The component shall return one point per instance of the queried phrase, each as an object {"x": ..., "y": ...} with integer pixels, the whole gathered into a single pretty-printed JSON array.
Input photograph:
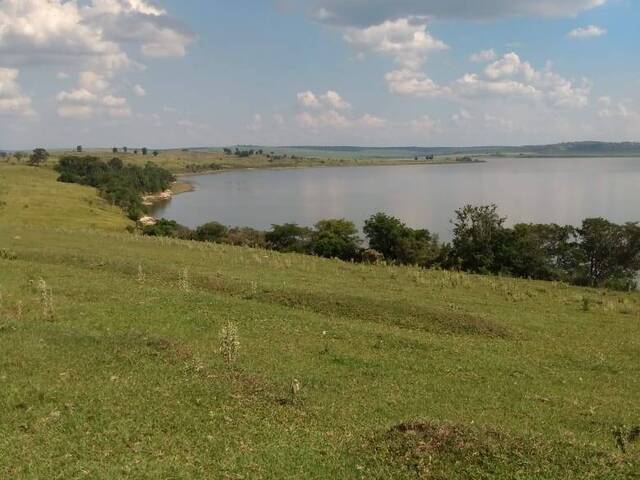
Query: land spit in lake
[{"x": 538, "y": 190}]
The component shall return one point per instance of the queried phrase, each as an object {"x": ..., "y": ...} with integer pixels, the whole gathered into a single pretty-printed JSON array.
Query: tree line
[
  {"x": 599, "y": 253},
  {"x": 122, "y": 185}
]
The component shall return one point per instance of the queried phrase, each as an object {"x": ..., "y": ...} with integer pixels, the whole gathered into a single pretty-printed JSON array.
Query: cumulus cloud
[
  {"x": 365, "y": 13},
  {"x": 334, "y": 100},
  {"x": 331, "y": 99},
  {"x": 484, "y": 56},
  {"x": 609, "y": 109},
  {"x": 308, "y": 99},
  {"x": 406, "y": 40},
  {"x": 328, "y": 111},
  {"x": 92, "y": 96},
  {"x": 12, "y": 100},
  {"x": 373, "y": 121},
  {"x": 587, "y": 32},
  {"x": 510, "y": 76},
  {"x": 412, "y": 83},
  {"x": 92, "y": 34},
  {"x": 139, "y": 91}
]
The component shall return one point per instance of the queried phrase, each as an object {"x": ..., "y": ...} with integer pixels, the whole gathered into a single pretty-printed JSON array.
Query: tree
[
  {"x": 114, "y": 149},
  {"x": 39, "y": 156},
  {"x": 384, "y": 234},
  {"x": 125, "y": 149},
  {"x": 543, "y": 252},
  {"x": 145, "y": 151},
  {"x": 79, "y": 149},
  {"x": 289, "y": 238},
  {"x": 478, "y": 233},
  {"x": 18, "y": 156},
  {"x": 609, "y": 254},
  {"x": 211, "y": 232},
  {"x": 401, "y": 244},
  {"x": 156, "y": 153},
  {"x": 335, "y": 238}
]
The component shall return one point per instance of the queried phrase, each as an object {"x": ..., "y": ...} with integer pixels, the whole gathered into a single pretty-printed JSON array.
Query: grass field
[{"x": 113, "y": 369}]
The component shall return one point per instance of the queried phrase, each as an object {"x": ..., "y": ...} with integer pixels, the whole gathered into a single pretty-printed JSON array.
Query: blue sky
[{"x": 282, "y": 72}]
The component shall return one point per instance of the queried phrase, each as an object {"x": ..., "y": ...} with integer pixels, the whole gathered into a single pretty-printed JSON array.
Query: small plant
[
  {"x": 325, "y": 338},
  {"x": 19, "y": 310},
  {"x": 295, "y": 390},
  {"x": 183, "y": 283},
  {"x": 7, "y": 254},
  {"x": 586, "y": 304},
  {"x": 229, "y": 343},
  {"x": 624, "y": 435},
  {"x": 141, "y": 275},
  {"x": 46, "y": 299}
]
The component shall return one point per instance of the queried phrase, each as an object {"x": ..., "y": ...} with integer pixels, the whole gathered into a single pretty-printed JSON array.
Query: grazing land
[{"x": 111, "y": 364}]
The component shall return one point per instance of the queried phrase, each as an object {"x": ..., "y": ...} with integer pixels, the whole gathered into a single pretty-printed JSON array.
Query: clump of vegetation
[
  {"x": 38, "y": 157},
  {"x": 624, "y": 436},
  {"x": 46, "y": 299},
  {"x": 120, "y": 184},
  {"x": 229, "y": 343},
  {"x": 6, "y": 254},
  {"x": 441, "y": 451}
]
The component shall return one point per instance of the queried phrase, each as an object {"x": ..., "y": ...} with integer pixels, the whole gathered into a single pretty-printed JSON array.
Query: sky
[{"x": 187, "y": 73}]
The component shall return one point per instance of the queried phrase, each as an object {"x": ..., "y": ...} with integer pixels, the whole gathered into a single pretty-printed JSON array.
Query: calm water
[{"x": 546, "y": 190}]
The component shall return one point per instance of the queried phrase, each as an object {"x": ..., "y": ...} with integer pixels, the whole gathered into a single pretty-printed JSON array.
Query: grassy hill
[{"x": 113, "y": 369}]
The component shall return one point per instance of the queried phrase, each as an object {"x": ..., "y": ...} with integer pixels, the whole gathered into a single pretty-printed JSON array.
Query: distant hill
[{"x": 570, "y": 149}]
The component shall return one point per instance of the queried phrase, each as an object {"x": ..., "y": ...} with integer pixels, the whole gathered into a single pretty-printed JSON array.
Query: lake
[{"x": 544, "y": 190}]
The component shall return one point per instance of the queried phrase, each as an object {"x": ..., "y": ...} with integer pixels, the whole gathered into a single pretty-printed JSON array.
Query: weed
[
  {"x": 229, "y": 343},
  {"x": 183, "y": 281},
  {"x": 46, "y": 299}
]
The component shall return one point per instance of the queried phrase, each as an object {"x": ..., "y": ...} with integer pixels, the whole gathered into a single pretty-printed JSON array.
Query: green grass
[
  {"x": 405, "y": 373},
  {"x": 32, "y": 196}
]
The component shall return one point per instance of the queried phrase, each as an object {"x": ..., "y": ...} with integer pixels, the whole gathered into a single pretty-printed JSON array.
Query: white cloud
[
  {"x": 372, "y": 121},
  {"x": 308, "y": 99},
  {"x": 328, "y": 119},
  {"x": 484, "y": 56},
  {"x": 12, "y": 100},
  {"x": 75, "y": 111},
  {"x": 92, "y": 33},
  {"x": 621, "y": 109},
  {"x": 406, "y": 40},
  {"x": 412, "y": 83},
  {"x": 587, "y": 32},
  {"x": 331, "y": 99},
  {"x": 374, "y": 12},
  {"x": 139, "y": 91},
  {"x": 334, "y": 100},
  {"x": 510, "y": 76},
  {"x": 114, "y": 102},
  {"x": 93, "y": 96}
]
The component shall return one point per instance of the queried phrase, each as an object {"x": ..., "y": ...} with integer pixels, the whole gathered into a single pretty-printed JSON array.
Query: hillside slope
[{"x": 115, "y": 371}]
